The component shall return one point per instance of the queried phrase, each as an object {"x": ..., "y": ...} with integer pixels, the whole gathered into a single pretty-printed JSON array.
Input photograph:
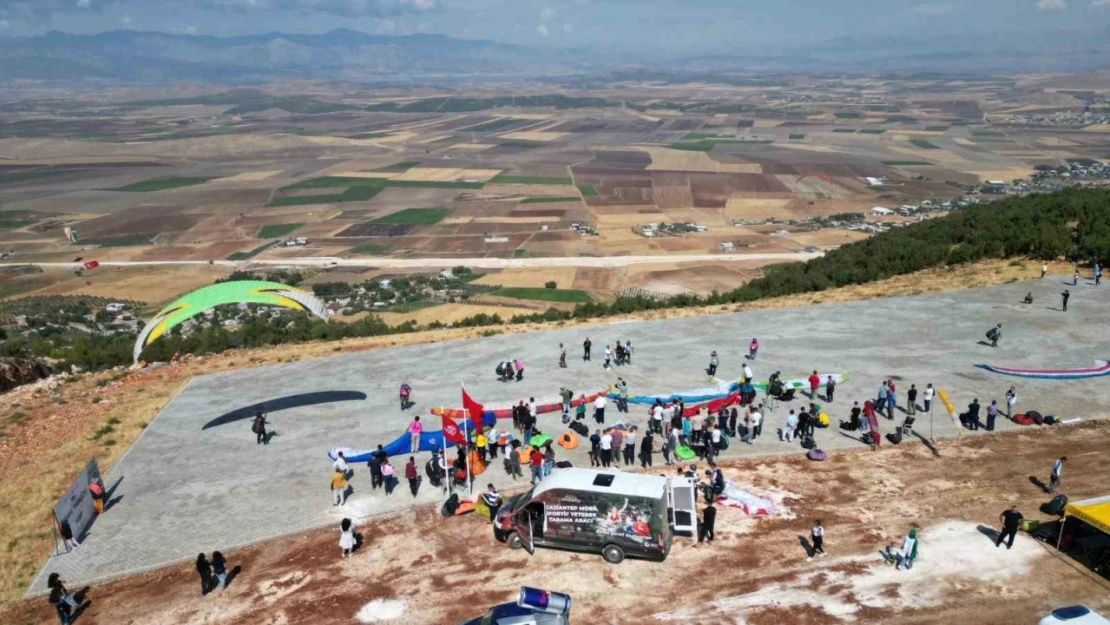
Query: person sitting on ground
[{"x": 1028, "y": 298}]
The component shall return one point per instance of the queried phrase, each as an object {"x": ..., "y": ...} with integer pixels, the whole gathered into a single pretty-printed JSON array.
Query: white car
[{"x": 1074, "y": 615}]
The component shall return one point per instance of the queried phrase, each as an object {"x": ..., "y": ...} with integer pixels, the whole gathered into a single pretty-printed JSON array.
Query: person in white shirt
[
  {"x": 927, "y": 397},
  {"x": 787, "y": 432},
  {"x": 629, "y": 451},
  {"x": 757, "y": 425},
  {"x": 532, "y": 407},
  {"x": 715, "y": 437},
  {"x": 748, "y": 376},
  {"x": 606, "y": 449},
  {"x": 657, "y": 418},
  {"x": 599, "y": 409},
  {"x": 608, "y": 356},
  {"x": 341, "y": 463}
]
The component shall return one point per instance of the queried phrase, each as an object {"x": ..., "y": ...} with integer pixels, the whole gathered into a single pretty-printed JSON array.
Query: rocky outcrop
[{"x": 18, "y": 371}]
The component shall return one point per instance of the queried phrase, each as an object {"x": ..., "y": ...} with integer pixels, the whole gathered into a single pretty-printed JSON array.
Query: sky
[{"x": 662, "y": 26}]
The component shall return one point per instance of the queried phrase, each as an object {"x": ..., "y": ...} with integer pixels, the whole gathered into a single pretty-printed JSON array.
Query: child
[{"x": 346, "y": 537}]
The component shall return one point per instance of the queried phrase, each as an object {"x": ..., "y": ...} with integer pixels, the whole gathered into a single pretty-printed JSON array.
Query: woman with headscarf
[
  {"x": 872, "y": 425},
  {"x": 909, "y": 551},
  {"x": 204, "y": 570}
]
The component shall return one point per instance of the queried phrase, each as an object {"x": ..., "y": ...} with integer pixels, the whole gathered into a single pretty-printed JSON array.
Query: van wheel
[
  {"x": 515, "y": 541},
  {"x": 613, "y": 554}
]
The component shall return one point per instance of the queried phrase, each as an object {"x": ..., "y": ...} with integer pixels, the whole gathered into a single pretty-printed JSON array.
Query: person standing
[
  {"x": 595, "y": 449},
  {"x": 515, "y": 470},
  {"x": 258, "y": 426},
  {"x": 817, "y": 534},
  {"x": 814, "y": 383},
  {"x": 60, "y": 598},
  {"x": 1044, "y": 270},
  {"x": 565, "y": 394},
  {"x": 911, "y": 400},
  {"x": 646, "y": 445},
  {"x": 1064, "y": 299},
  {"x": 992, "y": 414},
  {"x": 219, "y": 570},
  {"x": 562, "y": 356},
  {"x": 1075, "y": 277},
  {"x": 830, "y": 388},
  {"x": 347, "y": 540},
  {"x": 606, "y": 445},
  {"x": 375, "y": 464},
  {"x": 535, "y": 462},
  {"x": 387, "y": 477},
  {"x": 599, "y": 408},
  {"x": 415, "y": 428},
  {"x": 748, "y": 375},
  {"x": 757, "y": 421},
  {"x": 880, "y": 402},
  {"x": 580, "y": 409},
  {"x": 412, "y": 476},
  {"x": 548, "y": 459},
  {"x": 657, "y": 416},
  {"x": 891, "y": 399},
  {"x": 706, "y": 526},
  {"x": 713, "y": 362},
  {"x": 670, "y": 446},
  {"x": 586, "y": 349},
  {"x": 927, "y": 398},
  {"x": 753, "y": 348},
  {"x": 608, "y": 358},
  {"x": 493, "y": 501},
  {"x": 338, "y": 488},
  {"x": 630, "y": 448},
  {"x": 628, "y": 353},
  {"x": 1011, "y": 399},
  {"x": 1054, "y": 475},
  {"x": 622, "y": 395},
  {"x": 1011, "y": 520},
  {"x": 204, "y": 570},
  {"x": 340, "y": 463}
]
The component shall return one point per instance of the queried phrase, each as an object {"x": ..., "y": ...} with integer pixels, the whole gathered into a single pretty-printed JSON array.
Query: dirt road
[{"x": 417, "y": 568}]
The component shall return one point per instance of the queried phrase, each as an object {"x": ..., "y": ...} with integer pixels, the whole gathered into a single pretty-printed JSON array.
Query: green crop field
[
  {"x": 907, "y": 163},
  {"x": 494, "y": 124},
  {"x": 331, "y": 182},
  {"x": 433, "y": 184},
  {"x": 845, "y": 130},
  {"x": 797, "y": 137},
  {"x": 849, "y": 115},
  {"x": 547, "y": 199},
  {"x": 414, "y": 217},
  {"x": 706, "y": 145},
  {"x": 124, "y": 241},
  {"x": 570, "y": 296},
  {"x": 160, "y": 184},
  {"x": 33, "y": 174},
  {"x": 923, "y": 144},
  {"x": 351, "y": 194},
  {"x": 936, "y": 128},
  {"x": 527, "y": 145},
  {"x": 872, "y": 131},
  {"x": 698, "y": 136},
  {"x": 507, "y": 179},
  {"x": 274, "y": 231},
  {"x": 587, "y": 190},
  {"x": 369, "y": 248}
]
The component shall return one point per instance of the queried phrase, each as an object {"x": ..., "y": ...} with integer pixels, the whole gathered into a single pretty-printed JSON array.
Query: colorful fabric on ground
[
  {"x": 752, "y": 505},
  {"x": 507, "y": 413},
  {"x": 1100, "y": 369}
]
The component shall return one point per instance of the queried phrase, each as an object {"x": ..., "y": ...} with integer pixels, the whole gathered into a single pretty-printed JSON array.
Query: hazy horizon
[{"x": 666, "y": 27}]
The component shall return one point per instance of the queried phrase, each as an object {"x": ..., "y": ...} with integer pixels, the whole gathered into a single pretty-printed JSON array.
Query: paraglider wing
[{"x": 238, "y": 292}]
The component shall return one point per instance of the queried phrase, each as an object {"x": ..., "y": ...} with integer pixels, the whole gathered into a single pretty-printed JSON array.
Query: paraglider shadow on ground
[{"x": 284, "y": 403}]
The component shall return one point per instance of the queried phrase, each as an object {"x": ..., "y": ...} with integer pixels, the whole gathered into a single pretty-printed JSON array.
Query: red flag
[
  {"x": 474, "y": 409},
  {"x": 451, "y": 431}
]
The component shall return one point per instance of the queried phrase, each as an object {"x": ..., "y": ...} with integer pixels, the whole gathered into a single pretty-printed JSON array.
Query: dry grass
[{"x": 49, "y": 444}]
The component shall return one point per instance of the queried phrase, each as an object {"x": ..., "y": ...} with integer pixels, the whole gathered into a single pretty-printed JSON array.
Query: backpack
[
  {"x": 808, "y": 442},
  {"x": 993, "y": 332},
  {"x": 1056, "y": 506},
  {"x": 581, "y": 428},
  {"x": 450, "y": 506},
  {"x": 817, "y": 454},
  {"x": 256, "y": 427}
]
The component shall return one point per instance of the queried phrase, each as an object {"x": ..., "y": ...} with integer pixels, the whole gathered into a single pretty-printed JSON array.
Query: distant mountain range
[
  {"x": 342, "y": 54},
  {"x": 339, "y": 54}
]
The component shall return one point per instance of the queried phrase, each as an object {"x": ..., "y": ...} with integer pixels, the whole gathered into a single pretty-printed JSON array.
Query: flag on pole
[
  {"x": 451, "y": 431},
  {"x": 474, "y": 409}
]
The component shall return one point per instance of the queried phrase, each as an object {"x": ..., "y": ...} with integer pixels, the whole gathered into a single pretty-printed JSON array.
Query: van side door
[{"x": 682, "y": 496}]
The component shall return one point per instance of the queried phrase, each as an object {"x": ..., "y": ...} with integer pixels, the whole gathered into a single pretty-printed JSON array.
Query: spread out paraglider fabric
[
  {"x": 237, "y": 292},
  {"x": 1101, "y": 368}
]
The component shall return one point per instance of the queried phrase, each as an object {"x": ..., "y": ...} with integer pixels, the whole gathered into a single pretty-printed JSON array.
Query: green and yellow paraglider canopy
[{"x": 239, "y": 292}]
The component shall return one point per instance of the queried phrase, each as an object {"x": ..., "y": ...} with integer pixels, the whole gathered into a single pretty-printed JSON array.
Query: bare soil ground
[{"x": 756, "y": 571}]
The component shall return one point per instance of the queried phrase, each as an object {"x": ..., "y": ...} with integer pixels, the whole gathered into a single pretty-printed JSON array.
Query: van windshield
[{"x": 520, "y": 499}]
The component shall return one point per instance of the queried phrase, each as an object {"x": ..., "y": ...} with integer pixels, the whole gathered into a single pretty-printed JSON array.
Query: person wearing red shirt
[
  {"x": 412, "y": 476},
  {"x": 535, "y": 460},
  {"x": 814, "y": 382}
]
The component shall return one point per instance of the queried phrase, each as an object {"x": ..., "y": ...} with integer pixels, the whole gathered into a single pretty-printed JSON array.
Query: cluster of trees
[{"x": 1074, "y": 224}]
